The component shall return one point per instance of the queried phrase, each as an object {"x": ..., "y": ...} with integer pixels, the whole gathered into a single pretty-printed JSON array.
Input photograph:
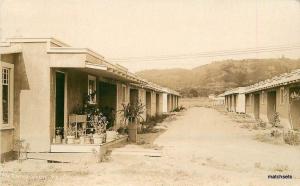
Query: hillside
[{"x": 216, "y": 77}]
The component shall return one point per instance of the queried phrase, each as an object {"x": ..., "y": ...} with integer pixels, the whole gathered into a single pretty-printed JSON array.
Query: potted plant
[
  {"x": 71, "y": 135},
  {"x": 81, "y": 135},
  {"x": 99, "y": 123},
  {"x": 132, "y": 114},
  {"x": 58, "y": 135}
]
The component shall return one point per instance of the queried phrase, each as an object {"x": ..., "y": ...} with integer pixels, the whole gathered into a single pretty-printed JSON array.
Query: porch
[{"x": 75, "y": 153}]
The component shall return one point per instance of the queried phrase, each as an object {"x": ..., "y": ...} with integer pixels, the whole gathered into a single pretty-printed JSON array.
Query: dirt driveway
[{"x": 202, "y": 147}]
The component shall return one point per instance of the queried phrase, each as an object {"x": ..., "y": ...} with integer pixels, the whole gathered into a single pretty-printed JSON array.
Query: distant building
[
  {"x": 219, "y": 100},
  {"x": 280, "y": 94},
  {"x": 211, "y": 96},
  {"x": 235, "y": 100}
]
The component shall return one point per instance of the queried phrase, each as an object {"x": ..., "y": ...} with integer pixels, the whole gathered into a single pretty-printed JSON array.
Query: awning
[{"x": 6, "y": 49}]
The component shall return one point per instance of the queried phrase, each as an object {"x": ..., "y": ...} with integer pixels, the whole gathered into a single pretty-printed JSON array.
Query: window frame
[{"x": 10, "y": 67}]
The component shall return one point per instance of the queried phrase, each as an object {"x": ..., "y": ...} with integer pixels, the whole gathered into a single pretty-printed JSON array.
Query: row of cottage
[
  {"x": 280, "y": 95},
  {"x": 45, "y": 80}
]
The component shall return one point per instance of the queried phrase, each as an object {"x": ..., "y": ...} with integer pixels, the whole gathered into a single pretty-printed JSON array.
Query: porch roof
[
  {"x": 238, "y": 90},
  {"x": 281, "y": 80},
  {"x": 64, "y": 56},
  {"x": 7, "y": 49}
]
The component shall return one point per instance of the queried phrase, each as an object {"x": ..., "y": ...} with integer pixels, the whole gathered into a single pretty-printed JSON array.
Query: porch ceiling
[{"x": 105, "y": 73}]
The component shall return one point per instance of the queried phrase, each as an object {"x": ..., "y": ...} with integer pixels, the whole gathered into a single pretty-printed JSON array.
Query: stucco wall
[
  {"x": 8, "y": 136},
  {"x": 240, "y": 105},
  {"x": 34, "y": 98},
  {"x": 119, "y": 115},
  {"x": 165, "y": 103},
  {"x": 153, "y": 103},
  {"x": 160, "y": 103},
  {"x": 283, "y": 108},
  {"x": 263, "y": 107},
  {"x": 142, "y": 98},
  {"x": 250, "y": 105},
  {"x": 7, "y": 140}
]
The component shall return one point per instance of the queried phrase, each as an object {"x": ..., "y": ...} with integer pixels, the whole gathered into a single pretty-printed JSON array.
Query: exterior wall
[
  {"x": 142, "y": 98},
  {"x": 33, "y": 93},
  {"x": 153, "y": 103},
  {"x": 160, "y": 103},
  {"x": 164, "y": 102},
  {"x": 295, "y": 107},
  {"x": 7, "y": 144},
  {"x": 174, "y": 102},
  {"x": 10, "y": 133},
  {"x": 249, "y": 105},
  {"x": 169, "y": 103},
  {"x": 281, "y": 107},
  {"x": 263, "y": 107},
  {"x": 119, "y": 116},
  {"x": 240, "y": 105}
]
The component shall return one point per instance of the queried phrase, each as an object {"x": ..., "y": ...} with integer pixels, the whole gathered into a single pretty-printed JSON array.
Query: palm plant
[{"x": 132, "y": 112}]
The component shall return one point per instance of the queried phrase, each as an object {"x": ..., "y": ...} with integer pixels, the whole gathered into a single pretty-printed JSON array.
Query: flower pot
[
  {"x": 110, "y": 136},
  {"x": 104, "y": 138},
  {"x": 70, "y": 139},
  {"x": 87, "y": 140},
  {"x": 81, "y": 139},
  {"x": 58, "y": 139},
  {"x": 132, "y": 132},
  {"x": 97, "y": 138}
]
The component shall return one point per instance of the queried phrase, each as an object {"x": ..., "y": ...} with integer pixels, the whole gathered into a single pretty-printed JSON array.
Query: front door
[{"x": 60, "y": 100}]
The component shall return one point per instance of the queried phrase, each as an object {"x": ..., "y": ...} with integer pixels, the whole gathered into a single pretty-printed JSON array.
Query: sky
[{"x": 139, "y": 28}]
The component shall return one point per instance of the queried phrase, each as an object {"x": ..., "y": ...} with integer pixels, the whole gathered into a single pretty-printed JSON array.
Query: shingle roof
[{"x": 283, "y": 79}]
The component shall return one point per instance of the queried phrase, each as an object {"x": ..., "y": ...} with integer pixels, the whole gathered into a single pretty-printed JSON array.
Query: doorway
[
  {"x": 271, "y": 104},
  {"x": 256, "y": 106},
  {"x": 148, "y": 105},
  {"x": 59, "y": 100},
  {"x": 295, "y": 107},
  {"x": 108, "y": 102},
  {"x": 157, "y": 104}
]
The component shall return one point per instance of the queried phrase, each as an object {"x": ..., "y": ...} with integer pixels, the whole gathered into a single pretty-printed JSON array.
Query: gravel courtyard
[{"x": 200, "y": 147}]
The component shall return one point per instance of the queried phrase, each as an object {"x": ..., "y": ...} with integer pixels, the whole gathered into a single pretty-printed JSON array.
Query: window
[
  {"x": 281, "y": 95},
  {"x": 263, "y": 97},
  {"x": 7, "y": 94},
  {"x": 92, "y": 90},
  {"x": 123, "y": 93}
]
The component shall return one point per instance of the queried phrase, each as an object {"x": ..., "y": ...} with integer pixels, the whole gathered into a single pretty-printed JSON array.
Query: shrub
[
  {"x": 261, "y": 123},
  {"x": 275, "y": 120},
  {"x": 276, "y": 133},
  {"x": 292, "y": 137},
  {"x": 178, "y": 109}
]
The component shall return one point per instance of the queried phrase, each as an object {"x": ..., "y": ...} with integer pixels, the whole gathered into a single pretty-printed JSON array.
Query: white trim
[
  {"x": 10, "y": 49},
  {"x": 95, "y": 66}
]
